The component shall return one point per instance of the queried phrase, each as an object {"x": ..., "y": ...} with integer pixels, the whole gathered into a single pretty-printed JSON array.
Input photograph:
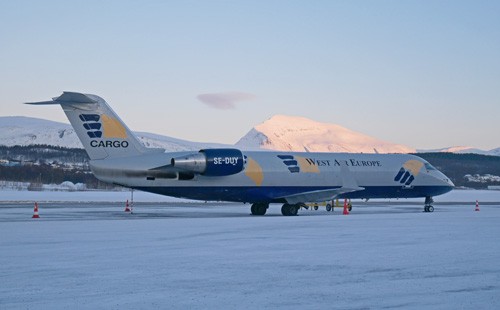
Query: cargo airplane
[{"x": 229, "y": 174}]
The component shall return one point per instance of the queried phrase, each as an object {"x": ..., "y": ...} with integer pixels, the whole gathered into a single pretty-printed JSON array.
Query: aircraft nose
[
  {"x": 450, "y": 183},
  {"x": 447, "y": 181}
]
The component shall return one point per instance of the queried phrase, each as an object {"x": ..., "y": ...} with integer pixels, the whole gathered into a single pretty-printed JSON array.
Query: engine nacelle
[{"x": 212, "y": 162}]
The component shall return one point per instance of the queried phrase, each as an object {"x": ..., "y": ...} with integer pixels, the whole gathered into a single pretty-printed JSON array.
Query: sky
[{"x": 421, "y": 73}]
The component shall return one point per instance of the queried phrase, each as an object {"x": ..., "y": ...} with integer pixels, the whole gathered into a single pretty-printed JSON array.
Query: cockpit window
[{"x": 429, "y": 166}]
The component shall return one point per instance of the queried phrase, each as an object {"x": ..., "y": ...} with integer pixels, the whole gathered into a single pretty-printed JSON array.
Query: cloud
[{"x": 224, "y": 101}]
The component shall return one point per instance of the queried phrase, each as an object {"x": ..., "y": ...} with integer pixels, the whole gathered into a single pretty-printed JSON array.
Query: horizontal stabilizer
[{"x": 67, "y": 98}]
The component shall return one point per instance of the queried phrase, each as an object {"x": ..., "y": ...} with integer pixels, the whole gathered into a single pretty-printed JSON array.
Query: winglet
[{"x": 348, "y": 180}]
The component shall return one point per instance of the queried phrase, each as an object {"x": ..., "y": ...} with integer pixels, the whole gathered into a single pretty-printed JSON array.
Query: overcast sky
[{"x": 421, "y": 73}]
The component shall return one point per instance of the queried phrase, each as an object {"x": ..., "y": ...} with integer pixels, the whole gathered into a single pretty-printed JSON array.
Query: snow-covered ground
[
  {"x": 117, "y": 196},
  {"x": 185, "y": 255}
]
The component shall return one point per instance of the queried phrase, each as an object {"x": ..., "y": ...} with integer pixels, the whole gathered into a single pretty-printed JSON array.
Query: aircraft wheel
[
  {"x": 316, "y": 207},
  {"x": 428, "y": 209},
  {"x": 294, "y": 209},
  {"x": 328, "y": 207},
  {"x": 290, "y": 210},
  {"x": 285, "y": 209},
  {"x": 259, "y": 208}
]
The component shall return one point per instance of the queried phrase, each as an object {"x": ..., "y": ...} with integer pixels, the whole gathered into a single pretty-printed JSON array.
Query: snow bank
[
  {"x": 65, "y": 186},
  {"x": 83, "y": 196}
]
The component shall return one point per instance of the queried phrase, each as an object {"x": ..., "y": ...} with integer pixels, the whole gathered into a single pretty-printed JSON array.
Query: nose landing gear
[{"x": 428, "y": 204}]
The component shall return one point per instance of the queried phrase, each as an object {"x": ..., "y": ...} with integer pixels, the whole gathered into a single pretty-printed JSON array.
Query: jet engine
[{"x": 211, "y": 162}]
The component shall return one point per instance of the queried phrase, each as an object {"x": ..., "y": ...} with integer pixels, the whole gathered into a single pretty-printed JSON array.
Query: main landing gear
[
  {"x": 291, "y": 209},
  {"x": 286, "y": 209},
  {"x": 428, "y": 204},
  {"x": 259, "y": 208}
]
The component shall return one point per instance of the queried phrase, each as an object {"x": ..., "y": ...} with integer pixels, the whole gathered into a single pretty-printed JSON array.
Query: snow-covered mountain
[
  {"x": 173, "y": 144},
  {"x": 20, "y": 130},
  {"x": 463, "y": 150},
  {"x": 287, "y": 133},
  {"x": 293, "y": 133}
]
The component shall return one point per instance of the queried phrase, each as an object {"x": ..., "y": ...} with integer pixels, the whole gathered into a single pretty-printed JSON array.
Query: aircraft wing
[
  {"x": 321, "y": 195},
  {"x": 349, "y": 185}
]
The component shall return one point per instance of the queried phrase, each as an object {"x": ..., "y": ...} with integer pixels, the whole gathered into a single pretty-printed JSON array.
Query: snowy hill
[
  {"x": 292, "y": 133},
  {"x": 19, "y": 130},
  {"x": 463, "y": 150},
  {"x": 278, "y": 133},
  {"x": 173, "y": 144}
]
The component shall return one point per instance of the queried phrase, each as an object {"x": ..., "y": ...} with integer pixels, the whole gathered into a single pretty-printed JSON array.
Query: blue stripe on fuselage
[{"x": 270, "y": 194}]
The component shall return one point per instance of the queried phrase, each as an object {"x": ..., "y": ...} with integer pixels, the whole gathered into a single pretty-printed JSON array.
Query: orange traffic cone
[
  {"x": 346, "y": 212},
  {"x": 477, "y": 206},
  {"x": 127, "y": 209},
  {"x": 35, "y": 212}
]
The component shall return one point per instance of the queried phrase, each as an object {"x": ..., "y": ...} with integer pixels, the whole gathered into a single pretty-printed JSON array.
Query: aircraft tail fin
[{"x": 102, "y": 133}]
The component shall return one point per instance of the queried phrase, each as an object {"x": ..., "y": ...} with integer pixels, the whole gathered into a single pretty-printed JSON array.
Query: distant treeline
[
  {"x": 47, "y": 174},
  {"x": 44, "y": 154},
  {"x": 456, "y": 166},
  {"x": 48, "y": 165},
  {"x": 51, "y": 164}
]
